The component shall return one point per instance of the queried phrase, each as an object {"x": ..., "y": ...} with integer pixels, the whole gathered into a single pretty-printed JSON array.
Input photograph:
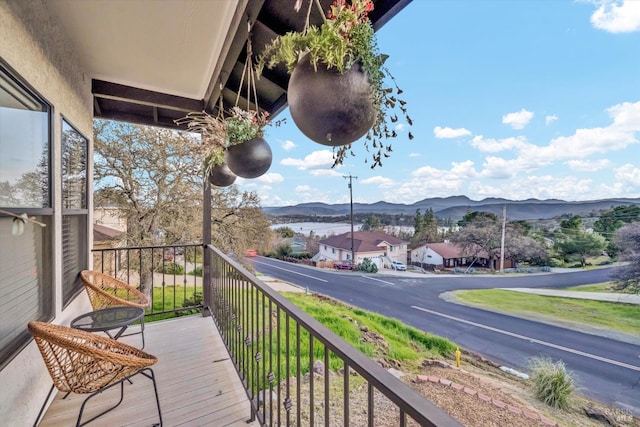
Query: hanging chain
[
  {"x": 248, "y": 72},
  {"x": 307, "y": 21}
]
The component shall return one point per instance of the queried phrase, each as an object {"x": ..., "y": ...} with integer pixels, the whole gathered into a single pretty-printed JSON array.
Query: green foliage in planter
[{"x": 345, "y": 38}]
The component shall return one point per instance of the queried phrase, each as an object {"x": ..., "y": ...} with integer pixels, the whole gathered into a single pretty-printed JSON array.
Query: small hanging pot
[
  {"x": 249, "y": 159},
  {"x": 221, "y": 176},
  {"x": 328, "y": 107}
]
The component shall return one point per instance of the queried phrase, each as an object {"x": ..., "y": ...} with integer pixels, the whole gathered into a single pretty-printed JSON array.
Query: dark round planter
[
  {"x": 328, "y": 107},
  {"x": 221, "y": 176},
  {"x": 249, "y": 159}
]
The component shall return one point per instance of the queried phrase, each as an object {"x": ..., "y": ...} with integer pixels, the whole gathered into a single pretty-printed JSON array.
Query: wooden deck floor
[{"x": 197, "y": 383}]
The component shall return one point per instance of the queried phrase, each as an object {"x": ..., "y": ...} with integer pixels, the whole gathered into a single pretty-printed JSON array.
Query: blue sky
[{"x": 509, "y": 98}]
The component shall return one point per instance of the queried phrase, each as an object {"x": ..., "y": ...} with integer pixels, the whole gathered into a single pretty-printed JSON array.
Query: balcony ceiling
[{"x": 153, "y": 61}]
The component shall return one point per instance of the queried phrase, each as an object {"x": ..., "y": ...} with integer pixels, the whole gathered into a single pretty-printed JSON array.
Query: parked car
[
  {"x": 397, "y": 265},
  {"x": 343, "y": 265},
  {"x": 251, "y": 252}
]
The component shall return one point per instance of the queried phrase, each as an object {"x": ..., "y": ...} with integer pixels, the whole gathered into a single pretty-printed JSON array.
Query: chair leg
[
  {"x": 151, "y": 376},
  {"x": 43, "y": 405},
  {"x": 142, "y": 331},
  {"x": 78, "y": 424},
  {"x": 155, "y": 390}
]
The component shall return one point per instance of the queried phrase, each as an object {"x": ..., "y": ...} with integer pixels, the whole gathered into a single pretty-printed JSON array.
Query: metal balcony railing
[
  {"x": 275, "y": 347},
  {"x": 170, "y": 275}
]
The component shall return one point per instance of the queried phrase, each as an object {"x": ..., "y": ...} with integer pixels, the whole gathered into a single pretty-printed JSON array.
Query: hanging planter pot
[
  {"x": 249, "y": 159},
  {"x": 329, "y": 107},
  {"x": 221, "y": 176}
]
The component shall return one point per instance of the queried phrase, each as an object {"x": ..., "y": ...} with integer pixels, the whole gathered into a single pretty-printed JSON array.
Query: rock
[
  {"x": 600, "y": 415},
  {"x": 318, "y": 367},
  {"x": 396, "y": 373}
]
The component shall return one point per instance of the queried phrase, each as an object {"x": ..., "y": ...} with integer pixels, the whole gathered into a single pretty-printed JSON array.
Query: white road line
[
  {"x": 534, "y": 340},
  {"x": 379, "y": 280},
  {"x": 291, "y": 271}
]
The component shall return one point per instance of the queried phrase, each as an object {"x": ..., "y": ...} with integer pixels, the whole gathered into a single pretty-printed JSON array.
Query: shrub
[
  {"x": 552, "y": 383},
  {"x": 170, "y": 268},
  {"x": 194, "y": 300},
  {"x": 196, "y": 272},
  {"x": 367, "y": 266}
]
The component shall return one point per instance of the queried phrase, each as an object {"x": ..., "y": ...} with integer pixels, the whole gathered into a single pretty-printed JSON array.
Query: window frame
[
  {"x": 72, "y": 286},
  {"x": 46, "y": 286}
]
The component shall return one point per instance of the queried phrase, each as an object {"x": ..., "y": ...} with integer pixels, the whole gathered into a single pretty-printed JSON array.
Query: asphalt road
[{"x": 608, "y": 370}]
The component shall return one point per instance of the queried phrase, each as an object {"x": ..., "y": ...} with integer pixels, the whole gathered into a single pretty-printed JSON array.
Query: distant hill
[{"x": 455, "y": 207}]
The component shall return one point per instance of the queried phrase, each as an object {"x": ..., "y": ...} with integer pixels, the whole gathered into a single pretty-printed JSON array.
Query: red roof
[{"x": 363, "y": 241}]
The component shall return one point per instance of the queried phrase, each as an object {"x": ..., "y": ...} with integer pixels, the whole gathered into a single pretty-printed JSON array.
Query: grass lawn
[
  {"x": 404, "y": 343},
  {"x": 615, "y": 316},
  {"x": 598, "y": 287},
  {"x": 170, "y": 297}
]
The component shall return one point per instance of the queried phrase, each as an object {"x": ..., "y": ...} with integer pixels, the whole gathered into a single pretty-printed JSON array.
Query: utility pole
[
  {"x": 353, "y": 254},
  {"x": 504, "y": 226}
]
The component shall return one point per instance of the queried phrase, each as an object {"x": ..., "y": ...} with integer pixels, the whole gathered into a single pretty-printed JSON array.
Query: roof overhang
[{"x": 151, "y": 62}]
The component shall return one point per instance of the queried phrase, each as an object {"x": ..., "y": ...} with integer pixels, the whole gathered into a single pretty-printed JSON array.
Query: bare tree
[
  {"x": 627, "y": 239},
  {"x": 153, "y": 175},
  {"x": 238, "y": 222},
  {"x": 481, "y": 233}
]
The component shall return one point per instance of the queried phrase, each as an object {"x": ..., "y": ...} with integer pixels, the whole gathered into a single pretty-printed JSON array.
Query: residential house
[
  {"x": 112, "y": 217},
  {"x": 380, "y": 247},
  {"x": 64, "y": 63},
  {"x": 435, "y": 256}
]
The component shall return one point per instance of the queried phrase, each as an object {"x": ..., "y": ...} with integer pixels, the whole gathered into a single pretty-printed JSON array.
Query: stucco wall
[{"x": 35, "y": 47}]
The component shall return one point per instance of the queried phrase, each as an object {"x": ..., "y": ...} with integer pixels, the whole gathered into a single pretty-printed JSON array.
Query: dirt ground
[{"x": 491, "y": 397}]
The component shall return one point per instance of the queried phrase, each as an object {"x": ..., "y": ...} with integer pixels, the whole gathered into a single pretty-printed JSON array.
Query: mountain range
[{"x": 455, "y": 207}]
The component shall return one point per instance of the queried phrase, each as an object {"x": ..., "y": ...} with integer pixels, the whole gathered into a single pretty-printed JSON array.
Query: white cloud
[
  {"x": 415, "y": 155},
  {"x": 498, "y": 168},
  {"x": 288, "y": 145},
  {"x": 586, "y": 142},
  {"x": 400, "y": 127},
  {"x": 380, "y": 181},
  {"x": 302, "y": 188},
  {"x": 446, "y": 133},
  {"x": 589, "y": 166},
  {"x": 617, "y": 16},
  {"x": 324, "y": 172},
  {"x": 550, "y": 119},
  {"x": 270, "y": 178},
  {"x": 316, "y": 160},
  {"x": 519, "y": 119},
  {"x": 629, "y": 175},
  {"x": 495, "y": 145}
]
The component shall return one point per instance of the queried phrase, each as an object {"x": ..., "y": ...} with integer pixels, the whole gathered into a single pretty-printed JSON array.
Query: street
[{"x": 608, "y": 370}]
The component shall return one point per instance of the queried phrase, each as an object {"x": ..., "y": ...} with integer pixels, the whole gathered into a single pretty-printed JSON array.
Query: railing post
[{"x": 206, "y": 256}]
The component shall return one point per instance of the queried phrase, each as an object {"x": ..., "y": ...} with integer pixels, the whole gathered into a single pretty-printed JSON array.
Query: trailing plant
[
  {"x": 346, "y": 37},
  {"x": 221, "y": 132}
]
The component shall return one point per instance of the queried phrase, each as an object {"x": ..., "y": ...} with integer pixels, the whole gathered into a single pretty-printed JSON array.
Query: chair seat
[
  {"x": 86, "y": 363},
  {"x": 105, "y": 291}
]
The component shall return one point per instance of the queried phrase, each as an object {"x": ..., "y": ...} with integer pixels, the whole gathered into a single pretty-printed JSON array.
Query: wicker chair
[
  {"x": 82, "y": 362},
  {"x": 105, "y": 291}
]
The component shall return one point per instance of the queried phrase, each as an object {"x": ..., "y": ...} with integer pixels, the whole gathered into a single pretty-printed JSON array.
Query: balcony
[{"x": 243, "y": 362}]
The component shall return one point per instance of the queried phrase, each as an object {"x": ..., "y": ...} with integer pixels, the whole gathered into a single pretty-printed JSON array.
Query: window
[
  {"x": 26, "y": 260},
  {"x": 74, "y": 210}
]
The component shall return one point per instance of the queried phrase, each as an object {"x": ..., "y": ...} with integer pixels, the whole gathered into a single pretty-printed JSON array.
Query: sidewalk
[
  {"x": 598, "y": 296},
  {"x": 280, "y": 286}
]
